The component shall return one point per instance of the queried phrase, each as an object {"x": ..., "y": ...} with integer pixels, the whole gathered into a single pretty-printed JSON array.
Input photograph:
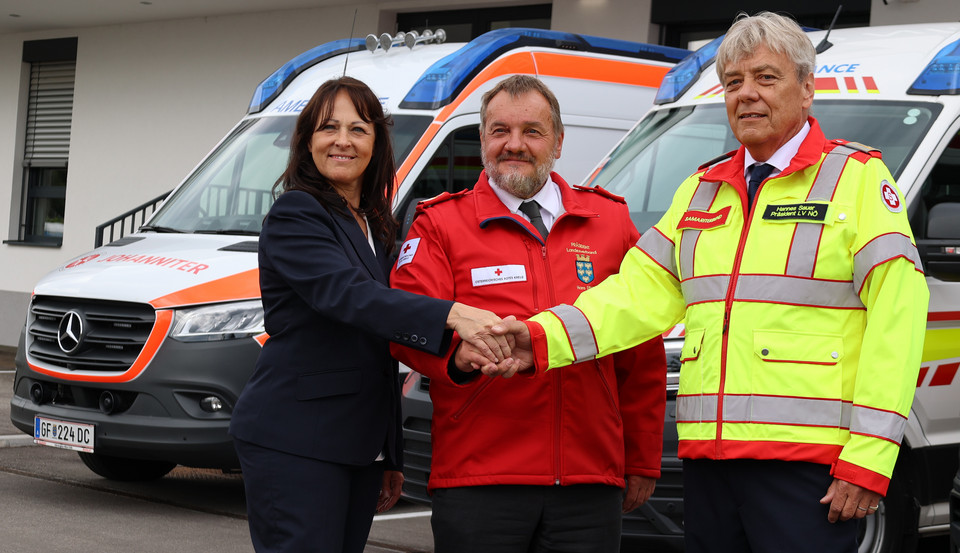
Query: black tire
[
  {"x": 893, "y": 528},
  {"x": 125, "y": 470}
]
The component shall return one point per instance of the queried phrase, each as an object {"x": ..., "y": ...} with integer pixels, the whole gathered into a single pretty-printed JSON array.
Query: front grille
[{"x": 114, "y": 333}]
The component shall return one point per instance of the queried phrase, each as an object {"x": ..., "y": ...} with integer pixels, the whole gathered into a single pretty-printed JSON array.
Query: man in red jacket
[{"x": 531, "y": 463}]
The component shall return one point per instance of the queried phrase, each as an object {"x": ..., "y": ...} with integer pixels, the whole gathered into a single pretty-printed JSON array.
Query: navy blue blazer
[{"x": 325, "y": 385}]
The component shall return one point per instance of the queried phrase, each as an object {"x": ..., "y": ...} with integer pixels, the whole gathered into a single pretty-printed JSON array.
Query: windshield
[
  {"x": 231, "y": 191},
  {"x": 668, "y": 145}
]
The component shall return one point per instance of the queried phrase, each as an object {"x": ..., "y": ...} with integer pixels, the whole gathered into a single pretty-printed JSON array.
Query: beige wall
[
  {"x": 623, "y": 19},
  {"x": 895, "y": 12}
]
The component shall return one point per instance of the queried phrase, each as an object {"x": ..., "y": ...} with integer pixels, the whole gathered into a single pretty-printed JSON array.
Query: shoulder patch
[
  {"x": 716, "y": 160},
  {"x": 439, "y": 199},
  {"x": 601, "y": 191}
]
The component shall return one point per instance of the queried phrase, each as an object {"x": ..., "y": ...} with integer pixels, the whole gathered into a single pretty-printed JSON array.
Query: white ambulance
[
  {"x": 895, "y": 88},
  {"x": 135, "y": 353}
]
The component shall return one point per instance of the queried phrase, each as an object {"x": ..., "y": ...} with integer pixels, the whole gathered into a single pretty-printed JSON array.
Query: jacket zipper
[{"x": 728, "y": 306}]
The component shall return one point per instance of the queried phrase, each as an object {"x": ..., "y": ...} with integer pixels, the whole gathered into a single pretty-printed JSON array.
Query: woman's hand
[
  {"x": 390, "y": 491},
  {"x": 473, "y": 325}
]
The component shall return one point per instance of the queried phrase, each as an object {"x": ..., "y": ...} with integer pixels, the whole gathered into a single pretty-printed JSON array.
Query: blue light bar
[
  {"x": 682, "y": 76},
  {"x": 942, "y": 75},
  {"x": 273, "y": 85},
  {"x": 446, "y": 78}
]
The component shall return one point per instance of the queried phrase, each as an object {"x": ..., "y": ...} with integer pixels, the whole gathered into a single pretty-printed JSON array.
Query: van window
[
  {"x": 454, "y": 166},
  {"x": 232, "y": 190},
  {"x": 667, "y": 146},
  {"x": 942, "y": 186}
]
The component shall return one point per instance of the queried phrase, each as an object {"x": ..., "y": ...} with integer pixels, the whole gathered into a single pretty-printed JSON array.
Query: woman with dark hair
[{"x": 317, "y": 427}]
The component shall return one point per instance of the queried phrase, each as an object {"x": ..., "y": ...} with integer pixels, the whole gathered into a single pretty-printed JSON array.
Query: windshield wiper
[
  {"x": 160, "y": 229},
  {"x": 231, "y": 232}
]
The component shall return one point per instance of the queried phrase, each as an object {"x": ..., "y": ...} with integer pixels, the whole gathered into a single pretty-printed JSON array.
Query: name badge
[
  {"x": 703, "y": 220},
  {"x": 498, "y": 274},
  {"x": 812, "y": 212}
]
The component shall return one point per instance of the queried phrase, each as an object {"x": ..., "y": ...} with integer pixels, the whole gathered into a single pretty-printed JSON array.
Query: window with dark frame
[{"x": 49, "y": 114}]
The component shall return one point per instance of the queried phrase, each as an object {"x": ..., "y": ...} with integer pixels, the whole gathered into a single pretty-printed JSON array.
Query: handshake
[{"x": 494, "y": 346}]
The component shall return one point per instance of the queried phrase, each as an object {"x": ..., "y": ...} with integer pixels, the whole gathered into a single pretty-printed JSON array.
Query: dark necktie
[
  {"x": 531, "y": 209},
  {"x": 758, "y": 172}
]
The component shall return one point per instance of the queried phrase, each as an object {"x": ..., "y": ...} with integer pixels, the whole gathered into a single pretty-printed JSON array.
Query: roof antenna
[
  {"x": 826, "y": 44},
  {"x": 352, "y": 26}
]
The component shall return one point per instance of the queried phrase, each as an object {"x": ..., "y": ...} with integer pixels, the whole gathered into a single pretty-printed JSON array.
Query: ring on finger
[
  {"x": 859, "y": 508},
  {"x": 874, "y": 507}
]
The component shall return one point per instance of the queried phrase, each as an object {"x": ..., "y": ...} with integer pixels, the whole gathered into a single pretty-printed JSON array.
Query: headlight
[{"x": 218, "y": 322}]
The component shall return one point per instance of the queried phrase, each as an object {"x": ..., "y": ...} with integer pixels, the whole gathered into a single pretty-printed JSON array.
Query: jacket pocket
[
  {"x": 473, "y": 397},
  {"x": 798, "y": 364},
  {"x": 322, "y": 384},
  {"x": 691, "y": 370}
]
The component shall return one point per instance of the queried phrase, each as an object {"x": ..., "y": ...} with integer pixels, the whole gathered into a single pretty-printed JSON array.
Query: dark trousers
[
  {"x": 745, "y": 505},
  {"x": 297, "y": 504},
  {"x": 527, "y": 519}
]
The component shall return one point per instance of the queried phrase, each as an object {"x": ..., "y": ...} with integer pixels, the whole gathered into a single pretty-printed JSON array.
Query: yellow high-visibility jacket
[{"x": 804, "y": 316}]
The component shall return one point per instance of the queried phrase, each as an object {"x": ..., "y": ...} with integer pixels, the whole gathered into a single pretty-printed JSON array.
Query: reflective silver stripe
[
  {"x": 881, "y": 249},
  {"x": 660, "y": 249},
  {"x": 701, "y": 201},
  {"x": 829, "y": 174},
  {"x": 582, "y": 342},
  {"x": 874, "y": 422},
  {"x": 806, "y": 240},
  {"x": 703, "y": 197},
  {"x": 797, "y": 291},
  {"x": 701, "y": 289},
  {"x": 832, "y": 413},
  {"x": 787, "y": 410},
  {"x": 696, "y": 408}
]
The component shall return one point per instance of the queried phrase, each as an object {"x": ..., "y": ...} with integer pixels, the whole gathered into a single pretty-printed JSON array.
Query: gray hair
[
  {"x": 779, "y": 34},
  {"x": 516, "y": 86}
]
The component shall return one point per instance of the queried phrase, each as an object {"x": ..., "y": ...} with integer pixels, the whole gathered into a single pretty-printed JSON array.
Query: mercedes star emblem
[{"x": 70, "y": 332}]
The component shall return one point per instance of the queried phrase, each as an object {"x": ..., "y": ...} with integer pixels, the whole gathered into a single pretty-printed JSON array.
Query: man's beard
[{"x": 515, "y": 182}]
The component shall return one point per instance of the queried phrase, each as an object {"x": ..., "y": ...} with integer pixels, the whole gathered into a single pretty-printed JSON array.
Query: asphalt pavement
[{"x": 53, "y": 503}]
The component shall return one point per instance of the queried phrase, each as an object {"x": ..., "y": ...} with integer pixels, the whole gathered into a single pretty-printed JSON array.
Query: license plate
[{"x": 63, "y": 434}]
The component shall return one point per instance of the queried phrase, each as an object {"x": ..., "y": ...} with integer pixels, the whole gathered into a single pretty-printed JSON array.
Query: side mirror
[{"x": 940, "y": 251}]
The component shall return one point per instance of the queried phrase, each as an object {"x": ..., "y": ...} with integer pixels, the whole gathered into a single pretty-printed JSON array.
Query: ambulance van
[
  {"x": 134, "y": 354},
  {"x": 895, "y": 88}
]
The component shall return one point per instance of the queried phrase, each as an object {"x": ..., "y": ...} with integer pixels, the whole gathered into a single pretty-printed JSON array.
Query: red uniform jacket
[{"x": 592, "y": 422}]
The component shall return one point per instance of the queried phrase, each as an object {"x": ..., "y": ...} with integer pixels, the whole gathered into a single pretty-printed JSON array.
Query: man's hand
[
  {"x": 473, "y": 325},
  {"x": 639, "y": 490},
  {"x": 390, "y": 490},
  {"x": 849, "y": 501},
  {"x": 522, "y": 351}
]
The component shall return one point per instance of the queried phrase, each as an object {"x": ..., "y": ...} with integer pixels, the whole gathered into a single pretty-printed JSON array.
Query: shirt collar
[
  {"x": 551, "y": 204},
  {"x": 781, "y": 158}
]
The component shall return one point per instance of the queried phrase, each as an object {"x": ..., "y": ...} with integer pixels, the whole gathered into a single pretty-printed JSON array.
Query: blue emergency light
[
  {"x": 273, "y": 85},
  {"x": 942, "y": 74},
  {"x": 682, "y": 76},
  {"x": 446, "y": 78}
]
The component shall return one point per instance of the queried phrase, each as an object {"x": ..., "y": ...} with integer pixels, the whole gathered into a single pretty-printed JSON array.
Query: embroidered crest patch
[{"x": 584, "y": 269}]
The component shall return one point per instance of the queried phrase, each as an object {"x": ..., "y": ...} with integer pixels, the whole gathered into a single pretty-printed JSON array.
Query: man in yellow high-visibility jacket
[{"x": 805, "y": 307}]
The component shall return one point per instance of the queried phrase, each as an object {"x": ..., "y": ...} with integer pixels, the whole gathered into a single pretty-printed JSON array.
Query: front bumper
[{"x": 159, "y": 416}]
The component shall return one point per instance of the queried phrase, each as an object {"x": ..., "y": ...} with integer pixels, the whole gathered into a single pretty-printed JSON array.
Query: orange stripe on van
[
  {"x": 241, "y": 286},
  {"x": 542, "y": 64},
  {"x": 157, "y": 335}
]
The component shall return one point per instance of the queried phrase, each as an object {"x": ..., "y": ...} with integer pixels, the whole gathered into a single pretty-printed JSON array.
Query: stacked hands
[{"x": 494, "y": 346}]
